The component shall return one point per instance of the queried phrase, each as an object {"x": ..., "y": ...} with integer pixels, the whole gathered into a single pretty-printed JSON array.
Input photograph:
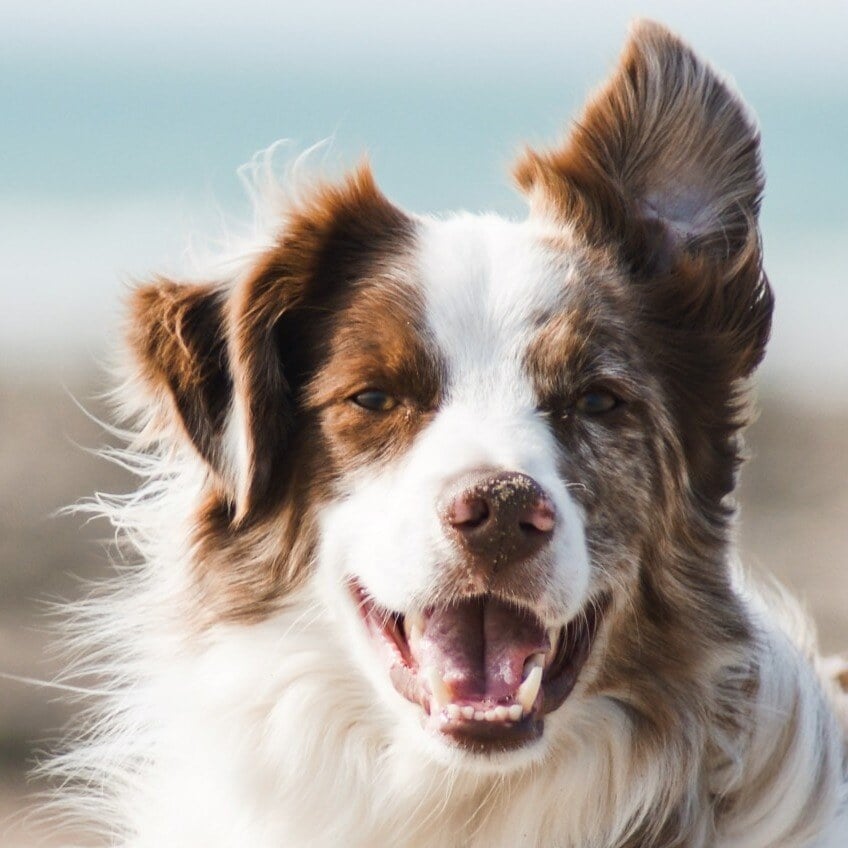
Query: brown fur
[
  {"x": 265, "y": 341},
  {"x": 325, "y": 247}
]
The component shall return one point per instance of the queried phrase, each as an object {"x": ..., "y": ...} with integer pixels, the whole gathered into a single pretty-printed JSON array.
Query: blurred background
[{"x": 122, "y": 127}]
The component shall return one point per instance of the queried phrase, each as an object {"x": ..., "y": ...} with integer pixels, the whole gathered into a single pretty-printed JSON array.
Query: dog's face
[
  {"x": 452, "y": 529},
  {"x": 497, "y": 449},
  {"x": 485, "y": 411}
]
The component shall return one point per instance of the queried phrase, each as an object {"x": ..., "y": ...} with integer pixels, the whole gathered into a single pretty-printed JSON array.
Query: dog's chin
[{"x": 482, "y": 672}]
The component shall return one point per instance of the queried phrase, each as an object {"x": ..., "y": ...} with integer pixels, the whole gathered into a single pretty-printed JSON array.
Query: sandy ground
[{"x": 794, "y": 523}]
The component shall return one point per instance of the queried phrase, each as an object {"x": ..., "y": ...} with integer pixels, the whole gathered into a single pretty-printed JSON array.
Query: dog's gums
[{"x": 483, "y": 671}]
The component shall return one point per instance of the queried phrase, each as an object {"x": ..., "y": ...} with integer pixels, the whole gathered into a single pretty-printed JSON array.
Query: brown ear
[
  {"x": 664, "y": 166},
  {"x": 664, "y": 143},
  {"x": 177, "y": 337},
  {"x": 226, "y": 363}
]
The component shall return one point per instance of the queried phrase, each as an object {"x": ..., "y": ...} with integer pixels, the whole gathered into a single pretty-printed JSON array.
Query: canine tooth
[
  {"x": 502, "y": 713},
  {"x": 468, "y": 712},
  {"x": 529, "y": 689},
  {"x": 515, "y": 712},
  {"x": 438, "y": 689},
  {"x": 413, "y": 626},
  {"x": 479, "y": 715},
  {"x": 537, "y": 660},
  {"x": 491, "y": 715},
  {"x": 453, "y": 712}
]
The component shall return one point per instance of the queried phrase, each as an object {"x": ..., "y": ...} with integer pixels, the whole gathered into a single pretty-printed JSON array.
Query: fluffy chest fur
[{"x": 435, "y": 538}]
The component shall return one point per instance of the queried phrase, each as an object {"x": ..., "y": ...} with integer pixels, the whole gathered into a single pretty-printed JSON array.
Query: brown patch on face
[
  {"x": 613, "y": 460},
  {"x": 377, "y": 341},
  {"x": 340, "y": 236},
  {"x": 653, "y": 476},
  {"x": 364, "y": 335},
  {"x": 321, "y": 314}
]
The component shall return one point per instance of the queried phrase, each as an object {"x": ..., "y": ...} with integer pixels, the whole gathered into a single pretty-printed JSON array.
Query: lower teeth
[
  {"x": 514, "y": 712},
  {"x": 525, "y": 697}
]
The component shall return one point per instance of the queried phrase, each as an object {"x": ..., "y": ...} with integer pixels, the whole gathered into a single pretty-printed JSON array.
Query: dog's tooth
[
  {"x": 534, "y": 661},
  {"x": 515, "y": 712},
  {"x": 502, "y": 713},
  {"x": 468, "y": 712},
  {"x": 413, "y": 626},
  {"x": 438, "y": 688},
  {"x": 479, "y": 715},
  {"x": 529, "y": 689},
  {"x": 492, "y": 715},
  {"x": 453, "y": 712}
]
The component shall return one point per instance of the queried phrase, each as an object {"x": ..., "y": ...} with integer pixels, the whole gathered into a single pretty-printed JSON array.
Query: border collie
[{"x": 435, "y": 526}]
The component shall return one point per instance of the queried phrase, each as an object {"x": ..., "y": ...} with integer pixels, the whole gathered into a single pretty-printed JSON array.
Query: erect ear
[
  {"x": 664, "y": 142},
  {"x": 223, "y": 362},
  {"x": 664, "y": 165}
]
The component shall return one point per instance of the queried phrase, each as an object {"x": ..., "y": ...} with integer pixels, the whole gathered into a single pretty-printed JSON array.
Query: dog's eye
[
  {"x": 596, "y": 402},
  {"x": 375, "y": 400}
]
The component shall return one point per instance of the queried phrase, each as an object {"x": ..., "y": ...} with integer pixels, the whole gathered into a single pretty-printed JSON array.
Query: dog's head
[{"x": 502, "y": 451}]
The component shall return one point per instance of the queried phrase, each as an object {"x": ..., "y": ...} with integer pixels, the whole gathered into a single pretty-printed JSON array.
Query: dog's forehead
[{"x": 488, "y": 285}]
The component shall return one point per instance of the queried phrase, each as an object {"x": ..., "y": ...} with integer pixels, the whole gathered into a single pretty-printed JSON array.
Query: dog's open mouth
[{"x": 484, "y": 671}]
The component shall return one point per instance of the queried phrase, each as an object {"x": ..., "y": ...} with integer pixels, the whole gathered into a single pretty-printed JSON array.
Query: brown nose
[{"x": 501, "y": 518}]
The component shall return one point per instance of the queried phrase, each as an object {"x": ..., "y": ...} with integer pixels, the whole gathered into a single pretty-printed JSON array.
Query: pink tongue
[{"x": 479, "y": 647}]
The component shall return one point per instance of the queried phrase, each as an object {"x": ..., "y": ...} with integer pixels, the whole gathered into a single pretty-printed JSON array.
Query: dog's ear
[
  {"x": 664, "y": 164},
  {"x": 664, "y": 142},
  {"x": 222, "y": 363},
  {"x": 177, "y": 337}
]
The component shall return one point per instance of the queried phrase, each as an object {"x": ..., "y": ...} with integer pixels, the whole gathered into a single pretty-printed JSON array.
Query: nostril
[
  {"x": 468, "y": 512},
  {"x": 539, "y": 517}
]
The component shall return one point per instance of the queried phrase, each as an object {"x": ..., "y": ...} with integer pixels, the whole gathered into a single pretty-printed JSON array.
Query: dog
[{"x": 434, "y": 536}]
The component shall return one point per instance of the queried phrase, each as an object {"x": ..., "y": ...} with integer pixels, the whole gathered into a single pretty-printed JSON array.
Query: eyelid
[
  {"x": 383, "y": 401},
  {"x": 607, "y": 402}
]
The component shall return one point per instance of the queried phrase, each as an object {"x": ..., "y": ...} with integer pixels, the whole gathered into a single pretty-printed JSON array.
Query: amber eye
[
  {"x": 375, "y": 400},
  {"x": 596, "y": 402}
]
